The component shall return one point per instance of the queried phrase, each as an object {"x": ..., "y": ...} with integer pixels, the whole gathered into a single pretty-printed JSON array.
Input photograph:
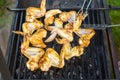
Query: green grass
[
  {"x": 5, "y": 16},
  {"x": 2, "y": 7},
  {"x": 115, "y": 19}
]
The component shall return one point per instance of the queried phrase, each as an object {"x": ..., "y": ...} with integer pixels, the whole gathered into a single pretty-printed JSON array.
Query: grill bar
[
  {"x": 89, "y": 9},
  {"x": 104, "y": 60},
  {"x": 24, "y": 77},
  {"x": 21, "y": 18},
  {"x": 96, "y": 60},
  {"x": 17, "y": 46},
  {"x": 12, "y": 40}
]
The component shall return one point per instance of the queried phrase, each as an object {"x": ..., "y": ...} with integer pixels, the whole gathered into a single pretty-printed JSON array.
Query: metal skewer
[
  {"x": 99, "y": 26},
  {"x": 82, "y": 7},
  {"x": 88, "y": 6}
]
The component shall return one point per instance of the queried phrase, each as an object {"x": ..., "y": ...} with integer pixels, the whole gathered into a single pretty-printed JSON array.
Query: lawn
[
  {"x": 115, "y": 19},
  {"x": 2, "y": 6}
]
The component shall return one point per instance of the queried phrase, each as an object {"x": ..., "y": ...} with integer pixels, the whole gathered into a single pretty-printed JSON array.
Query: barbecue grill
[{"x": 97, "y": 62}]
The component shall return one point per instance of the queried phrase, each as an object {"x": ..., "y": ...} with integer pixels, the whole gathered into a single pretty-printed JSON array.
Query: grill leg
[{"x": 4, "y": 71}]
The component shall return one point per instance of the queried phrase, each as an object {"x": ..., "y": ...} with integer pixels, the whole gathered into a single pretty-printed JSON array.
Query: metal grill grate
[{"x": 95, "y": 63}]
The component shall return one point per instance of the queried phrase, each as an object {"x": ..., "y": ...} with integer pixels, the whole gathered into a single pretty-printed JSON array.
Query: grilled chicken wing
[
  {"x": 35, "y": 55},
  {"x": 68, "y": 16},
  {"x": 32, "y": 53},
  {"x": 73, "y": 16},
  {"x": 36, "y": 12},
  {"x": 85, "y": 36},
  {"x": 51, "y": 37},
  {"x": 29, "y": 27},
  {"x": 78, "y": 21},
  {"x": 37, "y": 38},
  {"x": 24, "y": 46},
  {"x": 58, "y": 23},
  {"x": 64, "y": 16},
  {"x": 63, "y": 33},
  {"x": 29, "y": 51},
  {"x": 49, "y": 18},
  {"x": 52, "y": 13},
  {"x": 68, "y": 52},
  {"x": 44, "y": 63},
  {"x": 32, "y": 65},
  {"x": 51, "y": 58},
  {"x": 69, "y": 26},
  {"x": 48, "y": 21},
  {"x": 61, "y": 41}
]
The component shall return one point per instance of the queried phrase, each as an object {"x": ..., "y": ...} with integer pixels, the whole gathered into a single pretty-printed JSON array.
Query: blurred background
[{"x": 6, "y": 21}]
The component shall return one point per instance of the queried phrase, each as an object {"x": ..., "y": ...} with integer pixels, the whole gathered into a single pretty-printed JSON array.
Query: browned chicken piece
[
  {"x": 24, "y": 46},
  {"x": 37, "y": 38},
  {"x": 83, "y": 32},
  {"x": 48, "y": 21},
  {"x": 34, "y": 52},
  {"x": 63, "y": 33},
  {"x": 85, "y": 36},
  {"x": 58, "y": 23},
  {"x": 35, "y": 56},
  {"x": 51, "y": 37},
  {"x": 32, "y": 65},
  {"x": 36, "y": 12},
  {"x": 54, "y": 58},
  {"x": 68, "y": 52},
  {"x": 18, "y": 32},
  {"x": 49, "y": 17},
  {"x": 69, "y": 26},
  {"x": 29, "y": 27},
  {"x": 73, "y": 16},
  {"x": 44, "y": 63},
  {"x": 29, "y": 51},
  {"x": 30, "y": 18},
  {"x": 68, "y": 16},
  {"x": 64, "y": 16},
  {"x": 76, "y": 51},
  {"x": 78, "y": 21},
  {"x": 61, "y": 41},
  {"x": 84, "y": 42},
  {"x": 52, "y": 13},
  {"x": 51, "y": 58}
]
